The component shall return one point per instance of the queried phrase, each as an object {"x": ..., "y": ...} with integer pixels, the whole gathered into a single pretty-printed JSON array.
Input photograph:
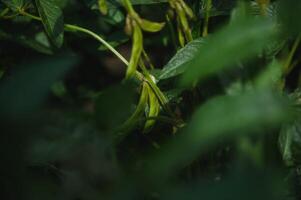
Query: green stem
[
  {"x": 74, "y": 28},
  {"x": 172, "y": 32},
  {"x": 287, "y": 65},
  {"x": 128, "y": 6},
  {"x": 147, "y": 59},
  {"x": 68, "y": 27},
  {"x": 207, "y": 16}
]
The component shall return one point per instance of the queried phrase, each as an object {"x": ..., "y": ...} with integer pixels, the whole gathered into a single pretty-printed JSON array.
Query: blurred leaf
[
  {"x": 14, "y": 4},
  {"x": 114, "y": 15},
  {"x": 270, "y": 76},
  {"x": 177, "y": 65},
  {"x": 27, "y": 42},
  {"x": 222, "y": 118},
  {"x": 239, "y": 184},
  {"x": 26, "y": 90},
  {"x": 236, "y": 42},
  {"x": 114, "y": 106},
  {"x": 52, "y": 18},
  {"x": 289, "y": 14},
  {"x": 102, "y": 5},
  {"x": 290, "y": 144},
  {"x": 61, "y": 138},
  {"x": 290, "y": 137}
]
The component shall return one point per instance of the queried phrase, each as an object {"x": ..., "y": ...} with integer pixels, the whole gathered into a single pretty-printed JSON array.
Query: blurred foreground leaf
[
  {"x": 220, "y": 119},
  {"x": 114, "y": 106},
  {"x": 236, "y": 42},
  {"x": 289, "y": 11},
  {"x": 26, "y": 90}
]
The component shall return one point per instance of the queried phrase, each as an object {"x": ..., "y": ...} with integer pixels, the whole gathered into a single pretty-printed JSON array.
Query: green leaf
[
  {"x": 237, "y": 42},
  {"x": 102, "y": 5},
  {"x": 177, "y": 65},
  {"x": 26, "y": 41},
  {"x": 114, "y": 106},
  {"x": 52, "y": 18},
  {"x": 28, "y": 87},
  {"x": 289, "y": 15},
  {"x": 290, "y": 144},
  {"x": 290, "y": 137},
  {"x": 271, "y": 76},
  {"x": 14, "y": 4},
  {"x": 222, "y": 118}
]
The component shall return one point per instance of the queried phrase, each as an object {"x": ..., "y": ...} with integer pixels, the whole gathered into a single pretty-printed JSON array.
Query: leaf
[
  {"x": 236, "y": 42},
  {"x": 271, "y": 76},
  {"x": 52, "y": 18},
  {"x": 26, "y": 90},
  {"x": 14, "y": 4},
  {"x": 27, "y": 42},
  {"x": 176, "y": 65},
  {"x": 290, "y": 144},
  {"x": 114, "y": 106},
  {"x": 102, "y": 5},
  {"x": 289, "y": 15},
  {"x": 222, "y": 118},
  {"x": 149, "y": 26},
  {"x": 290, "y": 137}
]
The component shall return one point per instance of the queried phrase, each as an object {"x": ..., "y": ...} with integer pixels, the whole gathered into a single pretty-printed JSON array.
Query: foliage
[{"x": 150, "y": 99}]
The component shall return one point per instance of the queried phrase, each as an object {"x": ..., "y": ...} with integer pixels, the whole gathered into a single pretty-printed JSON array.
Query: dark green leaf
[
  {"x": 289, "y": 14},
  {"x": 114, "y": 106},
  {"x": 53, "y": 21},
  {"x": 27, "y": 42},
  {"x": 177, "y": 65},
  {"x": 26, "y": 90},
  {"x": 221, "y": 118},
  {"x": 14, "y": 4}
]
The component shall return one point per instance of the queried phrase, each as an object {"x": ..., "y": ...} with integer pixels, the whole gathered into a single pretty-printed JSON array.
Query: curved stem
[
  {"x": 73, "y": 28},
  {"x": 288, "y": 62},
  {"x": 70, "y": 27}
]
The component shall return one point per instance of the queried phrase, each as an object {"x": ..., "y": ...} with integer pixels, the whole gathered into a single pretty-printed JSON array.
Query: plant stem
[
  {"x": 73, "y": 28},
  {"x": 288, "y": 62},
  {"x": 207, "y": 16},
  {"x": 128, "y": 6},
  {"x": 69, "y": 27},
  {"x": 172, "y": 32}
]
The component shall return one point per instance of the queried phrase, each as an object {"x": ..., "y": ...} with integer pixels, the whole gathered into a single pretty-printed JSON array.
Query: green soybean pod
[
  {"x": 154, "y": 109},
  {"x": 136, "y": 50},
  {"x": 149, "y": 26},
  {"x": 134, "y": 118}
]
